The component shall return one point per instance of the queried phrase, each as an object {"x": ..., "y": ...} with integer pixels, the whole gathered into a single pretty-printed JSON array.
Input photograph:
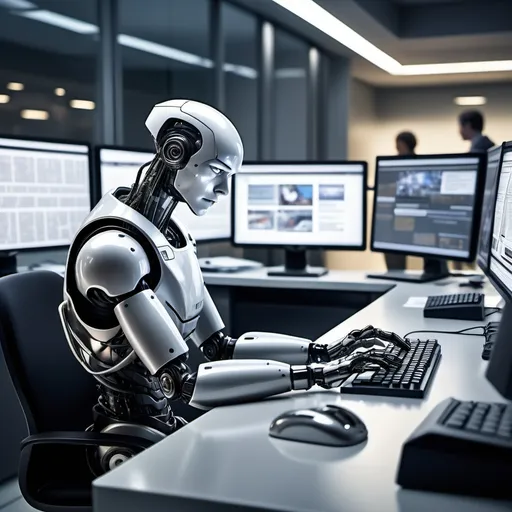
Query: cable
[
  {"x": 494, "y": 310},
  {"x": 461, "y": 331}
]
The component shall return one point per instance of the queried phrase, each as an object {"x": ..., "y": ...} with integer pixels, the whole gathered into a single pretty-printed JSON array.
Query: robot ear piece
[{"x": 177, "y": 150}]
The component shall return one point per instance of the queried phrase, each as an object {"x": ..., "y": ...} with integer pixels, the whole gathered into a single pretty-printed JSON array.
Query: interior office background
[{"x": 120, "y": 59}]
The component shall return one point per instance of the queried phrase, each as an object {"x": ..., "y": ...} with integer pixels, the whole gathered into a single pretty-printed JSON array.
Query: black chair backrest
[{"x": 56, "y": 393}]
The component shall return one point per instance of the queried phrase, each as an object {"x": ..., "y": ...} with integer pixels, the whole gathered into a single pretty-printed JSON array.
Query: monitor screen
[
  {"x": 300, "y": 204},
  {"x": 428, "y": 205},
  {"x": 486, "y": 222},
  {"x": 501, "y": 248},
  {"x": 119, "y": 167},
  {"x": 44, "y": 192}
]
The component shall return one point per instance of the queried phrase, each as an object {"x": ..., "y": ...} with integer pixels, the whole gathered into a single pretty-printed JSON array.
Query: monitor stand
[
  {"x": 295, "y": 265},
  {"x": 8, "y": 263},
  {"x": 499, "y": 370},
  {"x": 433, "y": 270}
]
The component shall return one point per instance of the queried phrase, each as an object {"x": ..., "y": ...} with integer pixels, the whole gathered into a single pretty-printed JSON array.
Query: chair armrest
[
  {"x": 86, "y": 438},
  {"x": 56, "y": 478}
]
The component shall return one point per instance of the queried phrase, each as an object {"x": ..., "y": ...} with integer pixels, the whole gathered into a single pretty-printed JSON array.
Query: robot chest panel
[{"x": 181, "y": 288}]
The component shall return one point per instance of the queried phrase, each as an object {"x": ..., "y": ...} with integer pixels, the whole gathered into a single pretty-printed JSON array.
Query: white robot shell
[{"x": 220, "y": 138}]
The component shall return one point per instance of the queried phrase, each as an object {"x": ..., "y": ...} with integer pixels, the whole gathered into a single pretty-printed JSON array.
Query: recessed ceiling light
[
  {"x": 467, "y": 101},
  {"x": 5, "y": 98},
  {"x": 324, "y": 21},
  {"x": 59, "y": 91},
  {"x": 82, "y": 104},
  {"x": 15, "y": 86},
  {"x": 40, "y": 115}
]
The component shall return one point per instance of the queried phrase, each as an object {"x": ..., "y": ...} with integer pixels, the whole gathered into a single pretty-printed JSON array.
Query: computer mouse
[{"x": 328, "y": 425}]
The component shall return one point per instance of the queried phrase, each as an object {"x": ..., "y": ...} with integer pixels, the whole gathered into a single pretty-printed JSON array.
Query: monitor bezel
[
  {"x": 477, "y": 207},
  {"x": 494, "y": 280},
  {"x": 92, "y": 182},
  {"x": 486, "y": 267},
  {"x": 361, "y": 247},
  {"x": 97, "y": 164}
]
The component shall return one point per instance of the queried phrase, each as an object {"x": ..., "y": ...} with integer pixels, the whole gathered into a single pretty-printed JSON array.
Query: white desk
[{"x": 226, "y": 461}]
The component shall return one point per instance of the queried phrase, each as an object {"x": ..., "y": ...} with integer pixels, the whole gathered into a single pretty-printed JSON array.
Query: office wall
[{"x": 378, "y": 115}]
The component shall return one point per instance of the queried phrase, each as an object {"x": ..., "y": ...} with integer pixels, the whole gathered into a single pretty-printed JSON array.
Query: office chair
[{"x": 56, "y": 394}]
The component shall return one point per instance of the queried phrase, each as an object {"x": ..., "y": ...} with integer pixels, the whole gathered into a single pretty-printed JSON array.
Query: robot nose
[{"x": 222, "y": 188}]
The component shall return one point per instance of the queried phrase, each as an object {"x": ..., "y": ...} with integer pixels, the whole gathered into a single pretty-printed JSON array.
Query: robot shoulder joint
[{"x": 111, "y": 261}]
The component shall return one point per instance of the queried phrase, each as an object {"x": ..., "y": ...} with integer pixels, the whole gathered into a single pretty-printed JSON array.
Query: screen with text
[
  {"x": 44, "y": 193},
  {"x": 300, "y": 205},
  {"x": 425, "y": 205},
  {"x": 119, "y": 168},
  {"x": 501, "y": 249}
]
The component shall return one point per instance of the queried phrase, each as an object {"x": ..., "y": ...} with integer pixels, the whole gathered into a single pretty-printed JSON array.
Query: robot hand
[
  {"x": 369, "y": 337},
  {"x": 333, "y": 374}
]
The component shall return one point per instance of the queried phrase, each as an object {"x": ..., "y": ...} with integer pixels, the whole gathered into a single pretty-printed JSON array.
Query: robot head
[{"x": 200, "y": 147}]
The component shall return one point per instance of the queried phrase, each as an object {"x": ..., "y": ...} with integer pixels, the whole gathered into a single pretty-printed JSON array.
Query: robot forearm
[
  {"x": 264, "y": 345},
  {"x": 293, "y": 350},
  {"x": 230, "y": 382},
  {"x": 237, "y": 381}
]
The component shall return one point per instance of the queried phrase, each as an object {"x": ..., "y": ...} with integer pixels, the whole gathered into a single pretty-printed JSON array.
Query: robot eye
[{"x": 216, "y": 170}]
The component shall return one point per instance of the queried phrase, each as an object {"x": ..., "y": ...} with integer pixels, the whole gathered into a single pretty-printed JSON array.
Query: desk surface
[{"x": 225, "y": 460}]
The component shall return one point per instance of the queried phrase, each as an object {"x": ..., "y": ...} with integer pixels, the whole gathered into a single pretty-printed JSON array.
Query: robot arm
[
  {"x": 111, "y": 271},
  {"x": 231, "y": 382},
  {"x": 279, "y": 347}
]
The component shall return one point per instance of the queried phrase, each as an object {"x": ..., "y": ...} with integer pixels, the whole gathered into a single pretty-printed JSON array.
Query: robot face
[
  {"x": 206, "y": 174},
  {"x": 202, "y": 186}
]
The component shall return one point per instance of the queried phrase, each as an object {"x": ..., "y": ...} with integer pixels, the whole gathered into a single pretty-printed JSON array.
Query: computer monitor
[
  {"x": 45, "y": 192},
  {"x": 486, "y": 222},
  {"x": 118, "y": 167},
  {"x": 499, "y": 271},
  {"x": 428, "y": 206},
  {"x": 300, "y": 205}
]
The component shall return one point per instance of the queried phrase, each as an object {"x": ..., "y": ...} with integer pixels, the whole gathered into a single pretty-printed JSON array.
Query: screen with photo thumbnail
[
  {"x": 501, "y": 248},
  {"x": 119, "y": 167},
  {"x": 44, "y": 193},
  {"x": 300, "y": 204},
  {"x": 425, "y": 205}
]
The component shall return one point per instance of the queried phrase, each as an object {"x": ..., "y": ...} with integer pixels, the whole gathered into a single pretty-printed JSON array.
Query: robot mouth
[{"x": 209, "y": 200}]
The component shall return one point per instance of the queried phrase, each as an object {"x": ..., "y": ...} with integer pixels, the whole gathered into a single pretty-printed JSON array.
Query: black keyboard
[
  {"x": 459, "y": 306},
  {"x": 461, "y": 447},
  {"x": 411, "y": 380}
]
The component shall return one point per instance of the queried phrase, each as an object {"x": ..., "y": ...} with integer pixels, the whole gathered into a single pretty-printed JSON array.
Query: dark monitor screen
[
  {"x": 118, "y": 167},
  {"x": 486, "y": 222},
  {"x": 300, "y": 204},
  {"x": 500, "y": 266},
  {"x": 428, "y": 205},
  {"x": 45, "y": 192}
]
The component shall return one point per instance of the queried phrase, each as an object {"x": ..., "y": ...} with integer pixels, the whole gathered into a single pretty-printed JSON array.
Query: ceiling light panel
[
  {"x": 39, "y": 115},
  {"x": 467, "y": 101}
]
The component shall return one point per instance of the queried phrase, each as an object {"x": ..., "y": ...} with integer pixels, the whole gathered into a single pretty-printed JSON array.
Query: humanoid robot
[{"x": 135, "y": 298}]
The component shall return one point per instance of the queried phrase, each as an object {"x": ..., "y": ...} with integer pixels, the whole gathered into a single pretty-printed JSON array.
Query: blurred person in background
[
  {"x": 471, "y": 126},
  {"x": 406, "y": 143}
]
